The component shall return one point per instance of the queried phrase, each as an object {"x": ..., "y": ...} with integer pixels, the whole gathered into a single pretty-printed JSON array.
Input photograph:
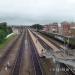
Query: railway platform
[{"x": 37, "y": 44}]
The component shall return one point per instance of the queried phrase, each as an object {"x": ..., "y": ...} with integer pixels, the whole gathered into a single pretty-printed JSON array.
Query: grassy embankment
[
  {"x": 4, "y": 31},
  {"x": 6, "y": 41}
]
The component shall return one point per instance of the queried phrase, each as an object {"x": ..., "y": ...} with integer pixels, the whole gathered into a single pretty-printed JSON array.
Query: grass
[{"x": 6, "y": 41}]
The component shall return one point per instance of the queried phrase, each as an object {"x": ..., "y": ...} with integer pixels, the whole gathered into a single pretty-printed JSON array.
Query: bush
[
  {"x": 2, "y": 35},
  {"x": 4, "y": 31}
]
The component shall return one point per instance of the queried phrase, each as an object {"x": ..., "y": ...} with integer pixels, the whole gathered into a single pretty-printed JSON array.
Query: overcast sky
[{"x": 36, "y": 11}]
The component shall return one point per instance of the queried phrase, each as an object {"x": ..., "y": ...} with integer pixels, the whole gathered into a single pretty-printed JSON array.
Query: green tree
[
  {"x": 4, "y": 31},
  {"x": 37, "y": 26}
]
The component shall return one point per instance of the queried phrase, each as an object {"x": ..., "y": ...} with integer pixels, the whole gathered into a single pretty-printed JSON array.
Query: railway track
[
  {"x": 43, "y": 43},
  {"x": 8, "y": 51},
  {"x": 17, "y": 64},
  {"x": 57, "y": 44},
  {"x": 35, "y": 58},
  {"x": 69, "y": 72}
]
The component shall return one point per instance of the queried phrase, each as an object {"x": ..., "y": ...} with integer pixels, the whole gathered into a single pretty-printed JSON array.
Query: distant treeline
[
  {"x": 4, "y": 31},
  {"x": 37, "y": 26}
]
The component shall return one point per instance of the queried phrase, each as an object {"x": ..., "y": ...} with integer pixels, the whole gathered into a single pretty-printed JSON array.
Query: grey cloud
[{"x": 36, "y": 11}]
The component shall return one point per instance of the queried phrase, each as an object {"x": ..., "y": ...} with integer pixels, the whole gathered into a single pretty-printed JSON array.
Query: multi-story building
[
  {"x": 46, "y": 28},
  {"x": 65, "y": 28},
  {"x": 60, "y": 29},
  {"x": 53, "y": 27},
  {"x": 72, "y": 28}
]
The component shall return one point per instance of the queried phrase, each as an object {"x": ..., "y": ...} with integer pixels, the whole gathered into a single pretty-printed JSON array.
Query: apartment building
[
  {"x": 46, "y": 28},
  {"x": 65, "y": 28},
  {"x": 53, "y": 27},
  {"x": 72, "y": 28}
]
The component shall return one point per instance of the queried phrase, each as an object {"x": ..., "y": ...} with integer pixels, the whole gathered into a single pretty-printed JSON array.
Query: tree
[
  {"x": 37, "y": 26},
  {"x": 4, "y": 31}
]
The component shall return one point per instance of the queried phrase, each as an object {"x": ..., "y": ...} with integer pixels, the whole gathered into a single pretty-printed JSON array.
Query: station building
[
  {"x": 52, "y": 28},
  {"x": 65, "y": 28}
]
